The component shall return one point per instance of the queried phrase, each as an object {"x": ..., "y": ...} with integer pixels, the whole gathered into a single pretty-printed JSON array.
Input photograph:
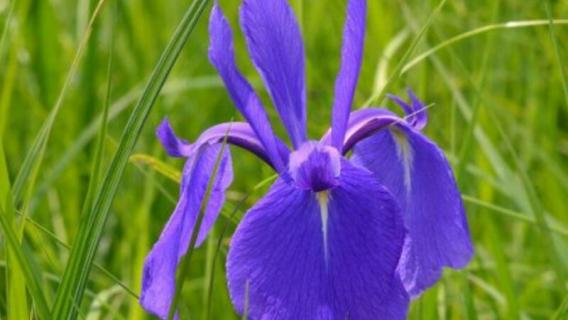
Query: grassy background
[{"x": 500, "y": 112}]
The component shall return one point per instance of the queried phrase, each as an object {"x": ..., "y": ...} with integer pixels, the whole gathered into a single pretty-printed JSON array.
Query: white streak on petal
[
  {"x": 324, "y": 213},
  {"x": 405, "y": 154}
]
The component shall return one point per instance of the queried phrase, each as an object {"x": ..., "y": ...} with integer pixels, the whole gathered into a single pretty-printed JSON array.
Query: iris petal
[
  {"x": 242, "y": 135},
  {"x": 351, "y": 56},
  {"x": 363, "y": 123},
  {"x": 416, "y": 171},
  {"x": 174, "y": 146},
  {"x": 278, "y": 266},
  {"x": 221, "y": 54},
  {"x": 415, "y": 110},
  {"x": 277, "y": 50},
  {"x": 158, "y": 283}
]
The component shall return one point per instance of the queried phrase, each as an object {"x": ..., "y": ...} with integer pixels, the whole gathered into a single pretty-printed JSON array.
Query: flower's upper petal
[
  {"x": 416, "y": 171},
  {"x": 362, "y": 124},
  {"x": 290, "y": 258},
  {"x": 351, "y": 56},
  {"x": 276, "y": 48},
  {"x": 221, "y": 54},
  {"x": 158, "y": 283}
]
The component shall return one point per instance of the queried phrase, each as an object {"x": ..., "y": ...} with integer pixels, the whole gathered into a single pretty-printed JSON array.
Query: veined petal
[
  {"x": 158, "y": 283},
  {"x": 277, "y": 50},
  {"x": 416, "y": 171},
  {"x": 221, "y": 54},
  {"x": 351, "y": 56},
  {"x": 290, "y": 258}
]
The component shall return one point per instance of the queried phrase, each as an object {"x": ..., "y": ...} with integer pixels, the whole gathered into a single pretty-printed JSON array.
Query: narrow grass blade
[
  {"x": 80, "y": 262},
  {"x": 20, "y": 272},
  {"x": 559, "y": 60},
  {"x": 4, "y": 36},
  {"x": 16, "y": 300},
  {"x": 99, "y": 146},
  {"x": 562, "y": 311}
]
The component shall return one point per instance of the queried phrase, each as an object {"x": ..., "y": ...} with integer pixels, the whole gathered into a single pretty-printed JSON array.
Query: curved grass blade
[
  {"x": 78, "y": 268},
  {"x": 513, "y": 214},
  {"x": 480, "y": 30}
]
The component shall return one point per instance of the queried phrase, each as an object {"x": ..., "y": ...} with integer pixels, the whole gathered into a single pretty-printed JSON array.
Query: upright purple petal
[
  {"x": 416, "y": 171},
  {"x": 221, "y": 54},
  {"x": 277, "y": 50},
  {"x": 304, "y": 255},
  {"x": 351, "y": 56},
  {"x": 158, "y": 283}
]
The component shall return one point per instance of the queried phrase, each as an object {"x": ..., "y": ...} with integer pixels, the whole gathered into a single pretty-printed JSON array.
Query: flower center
[{"x": 315, "y": 166}]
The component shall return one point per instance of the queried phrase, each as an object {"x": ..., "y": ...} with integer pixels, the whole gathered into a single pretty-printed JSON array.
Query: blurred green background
[{"x": 500, "y": 108}]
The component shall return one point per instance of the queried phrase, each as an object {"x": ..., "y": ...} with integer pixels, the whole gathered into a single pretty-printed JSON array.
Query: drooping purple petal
[
  {"x": 239, "y": 134},
  {"x": 221, "y": 54},
  {"x": 277, "y": 50},
  {"x": 174, "y": 146},
  {"x": 351, "y": 56},
  {"x": 158, "y": 283},
  {"x": 416, "y": 171},
  {"x": 281, "y": 266},
  {"x": 362, "y": 124}
]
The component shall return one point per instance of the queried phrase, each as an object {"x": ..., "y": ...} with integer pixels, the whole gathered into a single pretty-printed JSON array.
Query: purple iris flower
[{"x": 336, "y": 237}]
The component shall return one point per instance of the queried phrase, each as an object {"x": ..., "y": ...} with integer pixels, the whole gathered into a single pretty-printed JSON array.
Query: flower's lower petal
[
  {"x": 158, "y": 282},
  {"x": 292, "y": 259},
  {"x": 418, "y": 174}
]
